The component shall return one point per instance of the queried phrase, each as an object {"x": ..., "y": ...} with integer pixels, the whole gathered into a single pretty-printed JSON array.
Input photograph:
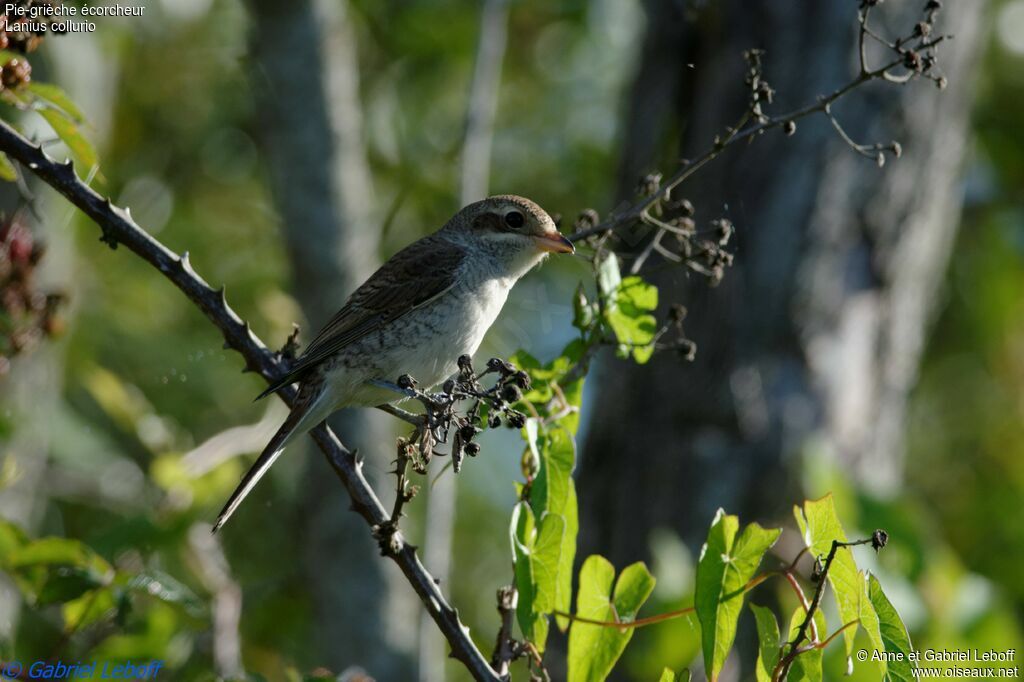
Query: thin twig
[
  {"x": 635, "y": 212},
  {"x": 783, "y": 666},
  {"x": 505, "y": 648},
  {"x": 118, "y": 228}
]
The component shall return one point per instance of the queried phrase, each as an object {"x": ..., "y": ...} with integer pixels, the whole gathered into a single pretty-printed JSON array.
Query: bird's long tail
[{"x": 300, "y": 420}]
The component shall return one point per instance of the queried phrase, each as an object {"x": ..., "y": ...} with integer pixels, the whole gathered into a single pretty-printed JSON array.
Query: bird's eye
[{"x": 515, "y": 219}]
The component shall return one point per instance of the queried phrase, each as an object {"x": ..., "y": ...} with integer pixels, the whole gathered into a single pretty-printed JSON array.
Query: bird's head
[{"x": 509, "y": 227}]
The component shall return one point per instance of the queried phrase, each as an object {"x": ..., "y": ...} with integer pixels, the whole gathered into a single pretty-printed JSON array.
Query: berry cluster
[
  {"x": 26, "y": 313},
  {"x": 491, "y": 406},
  {"x": 17, "y": 71}
]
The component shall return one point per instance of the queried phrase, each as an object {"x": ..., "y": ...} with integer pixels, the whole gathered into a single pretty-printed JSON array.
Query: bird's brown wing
[{"x": 412, "y": 277}]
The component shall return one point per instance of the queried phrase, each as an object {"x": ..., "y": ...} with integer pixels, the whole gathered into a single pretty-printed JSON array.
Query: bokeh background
[{"x": 869, "y": 342}]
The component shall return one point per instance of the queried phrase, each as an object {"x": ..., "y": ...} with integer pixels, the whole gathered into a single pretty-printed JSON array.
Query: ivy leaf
[
  {"x": 523, "y": 534},
  {"x": 594, "y": 649},
  {"x": 820, "y": 526},
  {"x": 894, "y": 634},
  {"x": 545, "y": 560},
  {"x": 629, "y": 316},
  {"x": 563, "y": 599},
  {"x": 768, "y": 644},
  {"x": 726, "y": 565},
  {"x": 69, "y": 133},
  {"x": 554, "y": 493}
]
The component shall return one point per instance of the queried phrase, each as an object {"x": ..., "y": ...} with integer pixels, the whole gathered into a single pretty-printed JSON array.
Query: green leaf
[
  {"x": 629, "y": 315},
  {"x": 72, "y": 136},
  {"x": 523, "y": 533},
  {"x": 894, "y": 634},
  {"x": 54, "y": 96},
  {"x": 768, "y": 644},
  {"x": 668, "y": 675},
  {"x": 726, "y": 565},
  {"x": 55, "y": 570},
  {"x": 594, "y": 649},
  {"x": 545, "y": 558},
  {"x": 544, "y": 376},
  {"x": 554, "y": 492},
  {"x": 167, "y": 589},
  {"x": 807, "y": 666},
  {"x": 11, "y": 538},
  {"x": 7, "y": 172},
  {"x": 820, "y": 526},
  {"x": 563, "y": 598},
  {"x": 89, "y": 608}
]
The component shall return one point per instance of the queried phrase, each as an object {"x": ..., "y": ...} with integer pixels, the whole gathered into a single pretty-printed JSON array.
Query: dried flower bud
[
  {"x": 516, "y": 419},
  {"x": 522, "y": 380},
  {"x": 465, "y": 363},
  {"x": 449, "y": 386},
  {"x": 879, "y": 539},
  {"x": 406, "y": 381},
  {"x": 510, "y": 393},
  {"x": 789, "y": 127},
  {"x": 912, "y": 61},
  {"x": 472, "y": 449},
  {"x": 588, "y": 218},
  {"x": 493, "y": 420},
  {"x": 16, "y": 73},
  {"x": 649, "y": 184},
  {"x": 677, "y": 313}
]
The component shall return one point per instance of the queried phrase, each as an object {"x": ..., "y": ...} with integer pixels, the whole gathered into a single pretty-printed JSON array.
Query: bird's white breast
[{"x": 424, "y": 343}]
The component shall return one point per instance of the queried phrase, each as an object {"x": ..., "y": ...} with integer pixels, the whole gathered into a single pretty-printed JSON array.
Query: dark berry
[
  {"x": 522, "y": 380},
  {"x": 510, "y": 393},
  {"x": 15, "y": 73}
]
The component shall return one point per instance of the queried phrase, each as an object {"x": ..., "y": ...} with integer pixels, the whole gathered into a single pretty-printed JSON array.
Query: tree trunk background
[
  {"x": 306, "y": 82},
  {"x": 810, "y": 345}
]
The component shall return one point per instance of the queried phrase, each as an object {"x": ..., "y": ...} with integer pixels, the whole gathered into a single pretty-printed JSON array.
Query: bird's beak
[{"x": 555, "y": 242}]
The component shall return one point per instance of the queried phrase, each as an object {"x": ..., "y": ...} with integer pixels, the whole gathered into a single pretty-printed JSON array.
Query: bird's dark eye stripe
[{"x": 515, "y": 219}]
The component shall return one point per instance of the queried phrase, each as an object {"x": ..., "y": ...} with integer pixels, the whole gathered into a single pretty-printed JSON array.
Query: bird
[{"x": 430, "y": 303}]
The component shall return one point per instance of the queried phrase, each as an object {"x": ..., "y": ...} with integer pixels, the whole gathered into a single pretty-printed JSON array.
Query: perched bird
[{"x": 430, "y": 303}]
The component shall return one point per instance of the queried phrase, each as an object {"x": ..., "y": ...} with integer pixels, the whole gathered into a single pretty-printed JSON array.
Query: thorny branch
[{"x": 117, "y": 228}]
